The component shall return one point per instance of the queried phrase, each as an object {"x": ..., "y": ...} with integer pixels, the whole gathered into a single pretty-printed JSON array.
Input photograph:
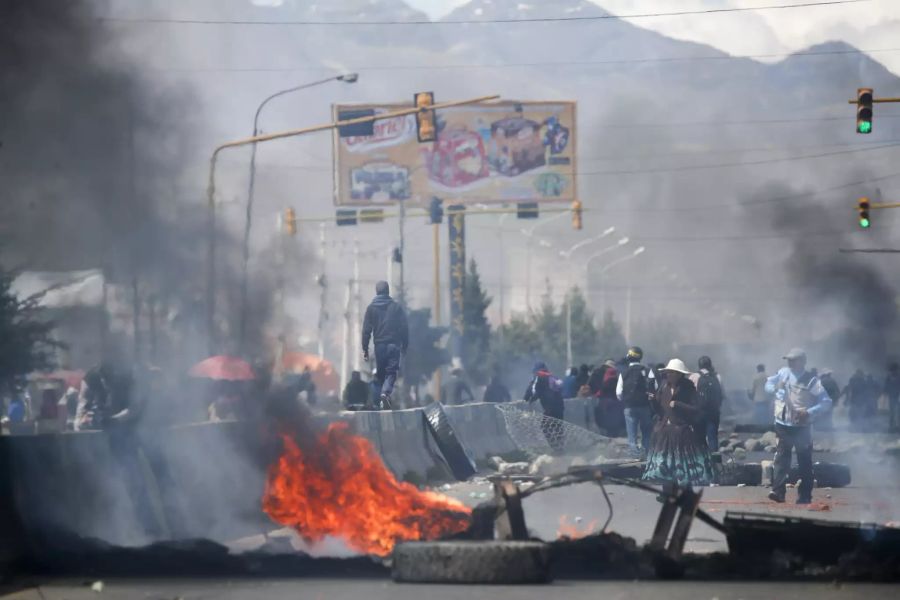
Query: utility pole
[
  {"x": 402, "y": 292},
  {"x": 436, "y": 235},
  {"x": 357, "y": 300},
  {"x": 323, "y": 292},
  {"x": 569, "y": 328},
  {"x": 346, "y": 345},
  {"x": 628, "y": 313}
]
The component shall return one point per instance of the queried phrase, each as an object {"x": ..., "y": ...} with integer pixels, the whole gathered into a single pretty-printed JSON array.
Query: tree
[
  {"x": 476, "y": 339},
  {"x": 611, "y": 341},
  {"x": 425, "y": 354},
  {"x": 25, "y": 341}
]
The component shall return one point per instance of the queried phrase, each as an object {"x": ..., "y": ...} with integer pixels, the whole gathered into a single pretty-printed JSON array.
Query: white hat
[{"x": 678, "y": 366}]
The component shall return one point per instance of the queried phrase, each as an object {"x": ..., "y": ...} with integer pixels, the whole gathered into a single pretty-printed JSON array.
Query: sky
[{"x": 871, "y": 25}]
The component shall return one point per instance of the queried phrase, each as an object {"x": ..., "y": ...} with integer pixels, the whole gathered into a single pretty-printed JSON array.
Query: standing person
[
  {"x": 496, "y": 391},
  {"x": 799, "y": 399},
  {"x": 892, "y": 391},
  {"x": 547, "y": 388},
  {"x": 570, "y": 384},
  {"x": 825, "y": 422},
  {"x": 356, "y": 393},
  {"x": 677, "y": 453},
  {"x": 762, "y": 414},
  {"x": 633, "y": 392},
  {"x": 385, "y": 323},
  {"x": 582, "y": 375},
  {"x": 710, "y": 396},
  {"x": 873, "y": 393},
  {"x": 855, "y": 398},
  {"x": 459, "y": 388}
]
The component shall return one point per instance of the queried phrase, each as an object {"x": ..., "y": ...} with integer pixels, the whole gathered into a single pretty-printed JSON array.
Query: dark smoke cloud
[{"x": 92, "y": 167}]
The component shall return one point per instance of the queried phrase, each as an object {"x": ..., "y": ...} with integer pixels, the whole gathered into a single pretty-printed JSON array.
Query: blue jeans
[
  {"x": 638, "y": 418},
  {"x": 387, "y": 366}
]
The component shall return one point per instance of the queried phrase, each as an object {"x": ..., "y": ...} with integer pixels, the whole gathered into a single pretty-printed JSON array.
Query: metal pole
[
  {"x": 528, "y": 275},
  {"x": 248, "y": 220},
  {"x": 346, "y": 344},
  {"x": 357, "y": 321},
  {"x": 323, "y": 297},
  {"x": 402, "y": 291},
  {"x": 569, "y": 329},
  {"x": 436, "y": 234},
  {"x": 628, "y": 314},
  {"x": 211, "y": 256}
]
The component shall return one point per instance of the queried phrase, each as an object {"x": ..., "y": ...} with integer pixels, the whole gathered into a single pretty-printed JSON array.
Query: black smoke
[{"x": 92, "y": 171}]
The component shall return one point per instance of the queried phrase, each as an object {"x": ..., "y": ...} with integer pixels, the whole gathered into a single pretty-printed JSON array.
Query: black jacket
[{"x": 385, "y": 323}]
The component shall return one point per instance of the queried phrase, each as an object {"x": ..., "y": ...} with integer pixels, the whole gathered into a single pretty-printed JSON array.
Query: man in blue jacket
[
  {"x": 799, "y": 398},
  {"x": 385, "y": 324}
]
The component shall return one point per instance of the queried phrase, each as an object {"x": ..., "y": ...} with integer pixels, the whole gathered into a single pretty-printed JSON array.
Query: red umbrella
[{"x": 228, "y": 368}]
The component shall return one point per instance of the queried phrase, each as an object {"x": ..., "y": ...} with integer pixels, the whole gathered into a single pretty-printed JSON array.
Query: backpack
[
  {"x": 634, "y": 386},
  {"x": 709, "y": 389}
]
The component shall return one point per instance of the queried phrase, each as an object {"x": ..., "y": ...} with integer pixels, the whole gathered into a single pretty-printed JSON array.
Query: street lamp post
[
  {"x": 618, "y": 261},
  {"x": 567, "y": 254},
  {"x": 248, "y": 221},
  {"x": 529, "y": 233}
]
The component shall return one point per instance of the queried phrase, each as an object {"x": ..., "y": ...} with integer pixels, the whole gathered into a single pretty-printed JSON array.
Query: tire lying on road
[
  {"x": 458, "y": 458},
  {"x": 500, "y": 562}
]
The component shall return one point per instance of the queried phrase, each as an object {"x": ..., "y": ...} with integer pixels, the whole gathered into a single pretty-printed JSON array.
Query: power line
[
  {"x": 589, "y": 18},
  {"x": 736, "y": 164},
  {"x": 578, "y": 63}
]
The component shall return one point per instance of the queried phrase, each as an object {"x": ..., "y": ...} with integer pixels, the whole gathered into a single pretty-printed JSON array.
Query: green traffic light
[
  {"x": 864, "y": 127},
  {"x": 864, "y": 223}
]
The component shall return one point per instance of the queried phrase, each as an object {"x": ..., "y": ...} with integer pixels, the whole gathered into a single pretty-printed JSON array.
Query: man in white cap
[{"x": 799, "y": 398}]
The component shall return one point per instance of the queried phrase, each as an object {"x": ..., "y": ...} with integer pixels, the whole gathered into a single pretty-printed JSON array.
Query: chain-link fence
[{"x": 535, "y": 433}]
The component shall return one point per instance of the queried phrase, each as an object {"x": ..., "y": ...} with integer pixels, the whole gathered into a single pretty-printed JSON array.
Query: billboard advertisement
[{"x": 493, "y": 152}]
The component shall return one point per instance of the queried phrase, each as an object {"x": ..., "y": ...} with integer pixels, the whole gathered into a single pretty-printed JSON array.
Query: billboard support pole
[{"x": 436, "y": 230}]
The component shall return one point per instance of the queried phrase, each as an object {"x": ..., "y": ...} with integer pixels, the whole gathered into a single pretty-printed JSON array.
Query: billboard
[{"x": 496, "y": 152}]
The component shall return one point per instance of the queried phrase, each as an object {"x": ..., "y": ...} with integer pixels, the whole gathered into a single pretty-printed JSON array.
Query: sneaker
[
  {"x": 386, "y": 402},
  {"x": 776, "y": 497}
]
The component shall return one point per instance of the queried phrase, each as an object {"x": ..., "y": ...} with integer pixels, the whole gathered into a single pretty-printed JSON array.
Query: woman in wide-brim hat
[{"x": 675, "y": 454}]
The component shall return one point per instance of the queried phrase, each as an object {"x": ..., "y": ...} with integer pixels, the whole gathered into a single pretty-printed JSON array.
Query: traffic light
[
  {"x": 576, "y": 214},
  {"x": 863, "y": 208},
  {"x": 864, "y": 113},
  {"x": 290, "y": 221},
  {"x": 426, "y": 121},
  {"x": 436, "y": 211}
]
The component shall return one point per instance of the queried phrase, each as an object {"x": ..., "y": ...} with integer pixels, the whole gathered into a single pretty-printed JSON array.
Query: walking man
[
  {"x": 762, "y": 412},
  {"x": 385, "y": 323},
  {"x": 710, "y": 396},
  {"x": 632, "y": 390},
  {"x": 799, "y": 398}
]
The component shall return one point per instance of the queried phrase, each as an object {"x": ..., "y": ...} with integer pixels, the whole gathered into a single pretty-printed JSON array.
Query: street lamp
[
  {"x": 567, "y": 254},
  {"x": 529, "y": 233},
  {"x": 595, "y": 256},
  {"x": 618, "y": 261},
  {"x": 248, "y": 220}
]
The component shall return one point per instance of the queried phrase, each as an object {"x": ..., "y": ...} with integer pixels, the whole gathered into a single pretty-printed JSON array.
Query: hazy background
[{"x": 739, "y": 175}]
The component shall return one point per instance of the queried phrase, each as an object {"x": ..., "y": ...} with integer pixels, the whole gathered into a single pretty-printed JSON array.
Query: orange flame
[
  {"x": 572, "y": 531},
  {"x": 343, "y": 489}
]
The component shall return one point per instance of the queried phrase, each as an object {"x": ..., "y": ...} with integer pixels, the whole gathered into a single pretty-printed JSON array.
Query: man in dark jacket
[
  {"x": 356, "y": 394},
  {"x": 385, "y": 324},
  {"x": 496, "y": 391},
  {"x": 548, "y": 390},
  {"x": 709, "y": 400},
  {"x": 632, "y": 390}
]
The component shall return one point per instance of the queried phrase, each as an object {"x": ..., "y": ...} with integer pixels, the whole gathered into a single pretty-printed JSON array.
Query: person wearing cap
[
  {"x": 677, "y": 454},
  {"x": 633, "y": 391},
  {"x": 548, "y": 390},
  {"x": 799, "y": 399},
  {"x": 385, "y": 324}
]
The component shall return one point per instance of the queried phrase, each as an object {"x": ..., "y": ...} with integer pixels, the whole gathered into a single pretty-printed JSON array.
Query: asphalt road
[
  {"x": 635, "y": 511},
  {"x": 321, "y": 589}
]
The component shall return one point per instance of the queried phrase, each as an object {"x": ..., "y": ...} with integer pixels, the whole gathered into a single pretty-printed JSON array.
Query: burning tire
[{"x": 497, "y": 562}]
